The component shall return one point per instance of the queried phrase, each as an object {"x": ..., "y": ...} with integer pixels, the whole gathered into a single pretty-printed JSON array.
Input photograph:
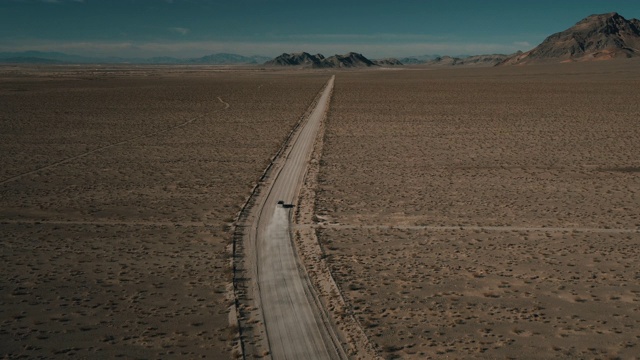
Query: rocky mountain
[
  {"x": 297, "y": 59},
  {"x": 349, "y": 60},
  {"x": 596, "y": 37},
  {"x": 304, "y": 59},
  {"x": 388, "y": 62}
]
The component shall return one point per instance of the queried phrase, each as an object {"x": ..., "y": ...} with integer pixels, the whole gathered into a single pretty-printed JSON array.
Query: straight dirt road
[{"x": 294, "y": 322}]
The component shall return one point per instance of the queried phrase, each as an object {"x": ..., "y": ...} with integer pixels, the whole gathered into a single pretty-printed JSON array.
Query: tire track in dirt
[
  {"x": 102, "y": 148},
  {"x": 105, "y": 222},
  {"x": 226, "y": 104},
  {"x": 474, "y": 228}
]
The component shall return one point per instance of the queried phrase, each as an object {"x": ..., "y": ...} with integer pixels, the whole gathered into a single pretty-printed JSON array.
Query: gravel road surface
[{"x": 295, "y": 326}]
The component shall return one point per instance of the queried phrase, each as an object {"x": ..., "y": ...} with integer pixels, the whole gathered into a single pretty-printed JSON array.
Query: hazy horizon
[{"x": 184, "y": 29}]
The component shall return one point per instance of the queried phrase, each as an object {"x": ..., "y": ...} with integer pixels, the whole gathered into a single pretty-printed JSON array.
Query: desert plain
[
  {"x": 467, "y": 213},
  {"x": 119, "y": 188},
  {"x": 487, "y": 213}
]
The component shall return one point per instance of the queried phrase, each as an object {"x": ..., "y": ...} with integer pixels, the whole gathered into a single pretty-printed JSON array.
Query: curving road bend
[{"x": 295, "y": 327}]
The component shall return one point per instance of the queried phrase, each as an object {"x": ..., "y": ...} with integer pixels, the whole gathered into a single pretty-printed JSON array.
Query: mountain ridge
[
  {"x": 596, "y": 37},
  {"x": 318, "y": 61},
  {"x": 42, "y": 57},
  {"x": 388, "y": 62},
  {"x": 485, "y": 60}
]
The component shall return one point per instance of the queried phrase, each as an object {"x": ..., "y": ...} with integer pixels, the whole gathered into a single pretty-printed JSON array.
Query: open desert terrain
[
  {"x": 486, "y": 213},
  {"x": 118, "y": 187},
  {"x": 463, "y": 213}
]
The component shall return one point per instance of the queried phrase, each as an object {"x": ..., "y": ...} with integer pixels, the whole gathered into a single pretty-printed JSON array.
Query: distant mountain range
[
  {"x": 39, "y": 57},
  {"x": 477, "y": 60},
  {"x": 348, "y": 60},
  {"x": 415, "y": 60},
  {"x": 596, "y": 37},
  {"x": 351, "y": 60},
  {"x": 304, "y": 59},
  {"x": 297, "y": 59},
  {"x": 224, "y": 58},
  {"x": 388, "y": 62}
]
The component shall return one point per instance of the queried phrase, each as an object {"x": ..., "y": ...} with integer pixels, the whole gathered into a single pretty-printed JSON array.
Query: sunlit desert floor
[
  {"x": 487, "y": 213},
  {"x": 117, "y": 189},
  {"x": 468, "y": 213}
]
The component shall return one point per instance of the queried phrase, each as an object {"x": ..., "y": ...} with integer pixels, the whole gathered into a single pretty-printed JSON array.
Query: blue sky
[{"x": 187, "y": 28}]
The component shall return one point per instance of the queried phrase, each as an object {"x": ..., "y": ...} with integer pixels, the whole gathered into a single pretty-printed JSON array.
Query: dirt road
[{"x": 294, "y": 324}]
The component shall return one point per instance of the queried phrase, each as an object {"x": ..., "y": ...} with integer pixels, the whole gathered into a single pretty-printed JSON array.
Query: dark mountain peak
[
  {"x": 596, "y": 37},
  {"x": 351, "y": 59},
  {"x": 611, "y": 23},
  {"x": 302, "y": 54},
  {"x": 296, "y": 59},
  {"x": 594, "y": 18}
]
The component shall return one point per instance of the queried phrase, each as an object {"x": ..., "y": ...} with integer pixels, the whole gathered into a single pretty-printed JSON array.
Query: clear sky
[{"x": 376, "y": 28}]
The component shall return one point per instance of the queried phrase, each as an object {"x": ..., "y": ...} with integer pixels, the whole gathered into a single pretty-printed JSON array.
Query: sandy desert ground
[
  {"x": 467, "y": 213},
  {"x": 416, "y": 163},
  {"x": 117, "y": 189}
]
